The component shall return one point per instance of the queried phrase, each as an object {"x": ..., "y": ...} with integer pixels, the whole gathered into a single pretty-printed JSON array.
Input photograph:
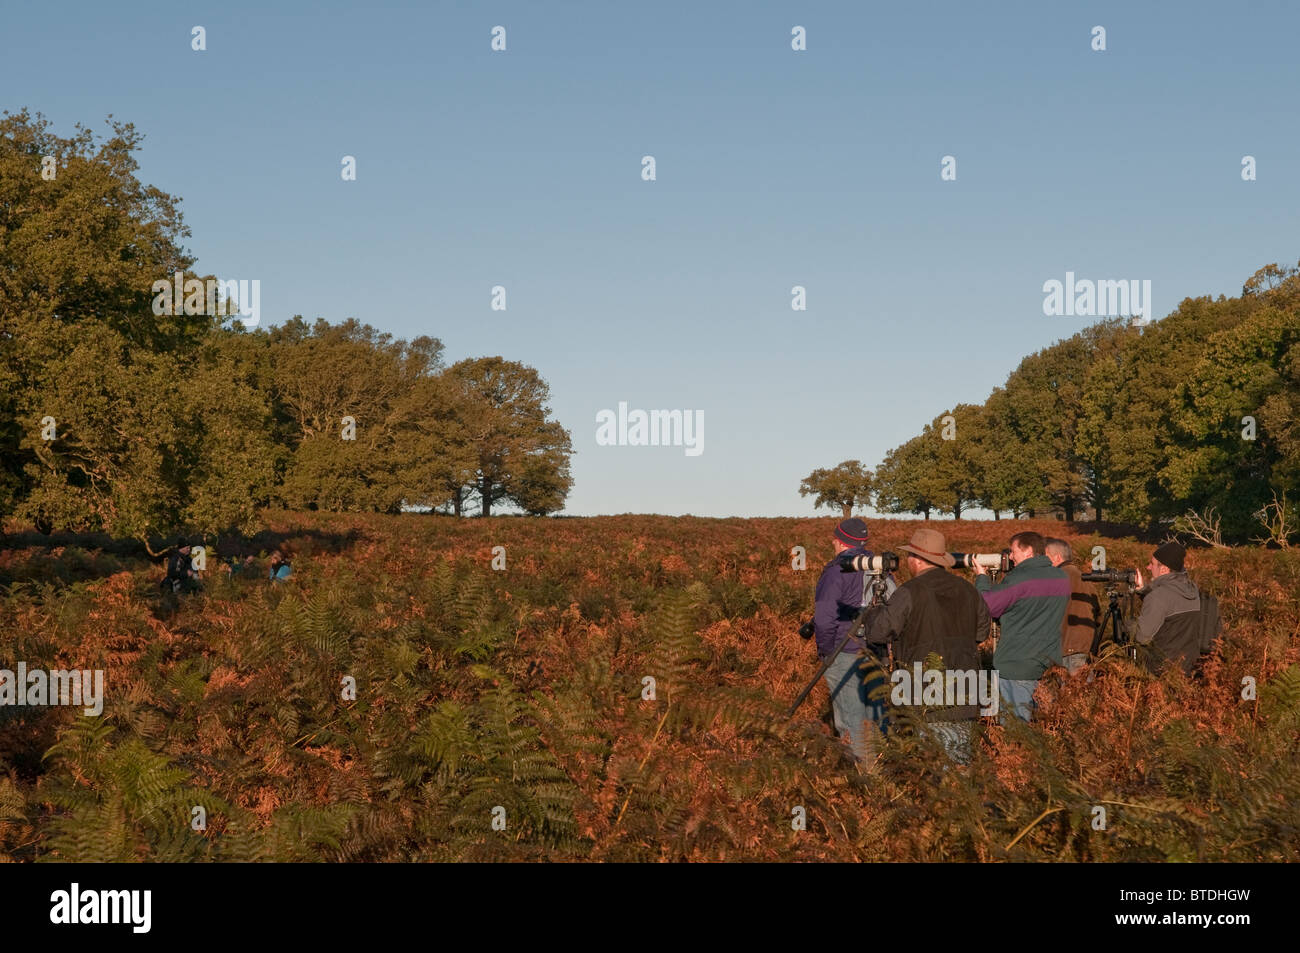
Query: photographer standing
[
  {"x": 935, "y": 612},
  {"x": 1080, "y": 623},
  {"x": 1030, "y": 602},
  {"x": 839, "y": 599},
  {"x": 1170, "y": 621}
]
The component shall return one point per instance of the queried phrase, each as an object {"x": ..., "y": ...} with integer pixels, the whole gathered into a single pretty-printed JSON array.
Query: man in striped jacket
[{"x": 1030, "y": 603}]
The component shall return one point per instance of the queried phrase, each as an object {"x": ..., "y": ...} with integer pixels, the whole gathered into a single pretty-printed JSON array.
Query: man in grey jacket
[{"x": 1170, "y": 621}]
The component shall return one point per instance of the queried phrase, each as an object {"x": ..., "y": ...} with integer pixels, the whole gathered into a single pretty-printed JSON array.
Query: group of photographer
[
  {"x": 1046, "y": 611},
  {"x": 183, "y": 577}
]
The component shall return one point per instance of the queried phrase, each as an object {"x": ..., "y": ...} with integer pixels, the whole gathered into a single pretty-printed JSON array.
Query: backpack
[{"x": 1211, "y": 623}]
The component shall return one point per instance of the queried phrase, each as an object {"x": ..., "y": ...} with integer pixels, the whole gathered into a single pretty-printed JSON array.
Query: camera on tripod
[
  {"x": 1120, "y": 584},
  {"x": 875, "y": 565}
]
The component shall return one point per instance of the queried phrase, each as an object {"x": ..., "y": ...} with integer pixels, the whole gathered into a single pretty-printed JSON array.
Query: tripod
[
  {"x": 1112, "y": 620},
  {"x": 859, "y": 626},
  {"x": 995, "y": 627}
]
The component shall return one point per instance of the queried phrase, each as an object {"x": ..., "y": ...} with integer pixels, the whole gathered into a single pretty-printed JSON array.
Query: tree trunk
[
  {"x": 1069, "y": 509},
  {"x": 926, "y": 511},
  {"x": 956, "y": 510},
  {"x": 846, "y": 510},
  {"x": 997, "y": 514}
]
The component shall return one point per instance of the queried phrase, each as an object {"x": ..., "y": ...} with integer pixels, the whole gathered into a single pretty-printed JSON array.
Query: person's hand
[
  {"x": 1140, "y": 584},
  {"x": 980, "y": 570}
]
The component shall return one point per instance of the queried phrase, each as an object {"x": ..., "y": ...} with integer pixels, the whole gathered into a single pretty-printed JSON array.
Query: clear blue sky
[{"x": 775, "y": 168}]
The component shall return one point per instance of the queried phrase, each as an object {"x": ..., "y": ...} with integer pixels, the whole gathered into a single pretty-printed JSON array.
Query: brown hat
[{"x": 929, "y": 544}]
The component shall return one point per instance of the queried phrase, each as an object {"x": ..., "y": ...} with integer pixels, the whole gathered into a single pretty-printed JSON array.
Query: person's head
[
  {"x": 183, "y": 548},
  {"x": 1026, "y": 545},
  {"x": 1167, "y": 558},
  {"x": 850, "y": 533},
  {"x": 1058, "y": 551},
  {"x": 916, "y": 565},
  {"x": 927, "y": 549},
  {"x": 276, "y": 558}
]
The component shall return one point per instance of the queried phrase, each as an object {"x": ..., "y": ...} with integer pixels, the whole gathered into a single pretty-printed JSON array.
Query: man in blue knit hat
[{"x": 839, "y": 599}]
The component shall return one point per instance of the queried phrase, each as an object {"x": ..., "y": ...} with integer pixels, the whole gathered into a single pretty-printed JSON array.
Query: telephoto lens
[
  {"x": 1002, "y": 561},
  {"x": 1126, "y": 576},
  {"x": 883, "y": 562}
]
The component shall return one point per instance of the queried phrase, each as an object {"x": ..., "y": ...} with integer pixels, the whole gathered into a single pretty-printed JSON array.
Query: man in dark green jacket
[
  {"x": 935, "y": 613},
  {"x": 1030, "y": 604}
]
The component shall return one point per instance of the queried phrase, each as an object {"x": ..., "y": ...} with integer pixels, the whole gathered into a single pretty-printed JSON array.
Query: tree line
[
  {"x": 115, "y": 418},
  {"x": 1191, "y": 421}
]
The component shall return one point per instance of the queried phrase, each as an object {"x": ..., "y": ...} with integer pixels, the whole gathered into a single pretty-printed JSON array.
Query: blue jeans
[
  {"x": 851, "y": 704},
  {"x": 1018, "y": 695}
]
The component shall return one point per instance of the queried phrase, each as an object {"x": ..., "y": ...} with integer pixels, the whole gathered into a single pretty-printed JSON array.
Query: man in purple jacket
[{"x": 839, "y": 600}]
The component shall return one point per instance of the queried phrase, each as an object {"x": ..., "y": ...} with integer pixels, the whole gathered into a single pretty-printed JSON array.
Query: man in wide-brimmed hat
[
  {"x": 840, "y": 597},
  {"x": 935, "y": 613}
]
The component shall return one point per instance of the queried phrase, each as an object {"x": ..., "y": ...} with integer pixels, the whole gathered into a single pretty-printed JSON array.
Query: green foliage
[
  {"x": 166, "y": 422},
  {"x": 1141, "y": 424},
  {"x": 900, "y": 483},
  {"x": 122, "y": 802},
  {"x": 844, "y": 486},
  {"x": 520, "y": 454}
]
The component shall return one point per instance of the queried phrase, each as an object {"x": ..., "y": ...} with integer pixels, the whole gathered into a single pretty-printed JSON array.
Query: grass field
[{"x": 498, "y": 714}]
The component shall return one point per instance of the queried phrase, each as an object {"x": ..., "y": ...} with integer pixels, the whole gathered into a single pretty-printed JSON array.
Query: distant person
[
  {"x": 279, "y": 570},
  {"x": 1030, "y": 602},
  {"x": 180, "y": 576},
  {"x": 1080, "y": 623},
  {"x": 839, "y": 600},
  {"x": 935, "y": 613},
  {"x": 240, "y": 567},
  {"x": 1170, "y": 621}
]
